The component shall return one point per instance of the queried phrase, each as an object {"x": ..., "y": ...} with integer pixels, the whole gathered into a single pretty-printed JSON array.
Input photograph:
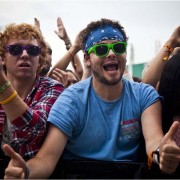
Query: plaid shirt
[{"x": 29, "y": 129}]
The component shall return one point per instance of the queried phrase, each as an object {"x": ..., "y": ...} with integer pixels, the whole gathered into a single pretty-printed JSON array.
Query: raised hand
[
  {"x": 17, "y": 166},
  {"x": 60, "y": 76},
  {"x": 169, "y": 151},
  {"x": 62, "y": 34}
]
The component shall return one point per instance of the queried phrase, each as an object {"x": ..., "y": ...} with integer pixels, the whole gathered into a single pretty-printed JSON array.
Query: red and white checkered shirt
[{"x": 29, "y": 129}]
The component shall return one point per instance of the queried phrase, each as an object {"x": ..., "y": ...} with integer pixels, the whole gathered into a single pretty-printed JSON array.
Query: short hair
[
  {"x": 22, "y": 31},
  {"x": 84, "y": 34}
]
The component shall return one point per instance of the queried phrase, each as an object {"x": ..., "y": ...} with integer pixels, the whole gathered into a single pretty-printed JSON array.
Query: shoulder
[
  {"x": 48, "y": 82},
  {"x": 81, "y": 85}
]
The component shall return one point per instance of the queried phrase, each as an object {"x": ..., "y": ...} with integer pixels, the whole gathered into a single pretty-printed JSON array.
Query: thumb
[
  {"x": 169, "y": 135},
  {"x": 15, "y": 157}
]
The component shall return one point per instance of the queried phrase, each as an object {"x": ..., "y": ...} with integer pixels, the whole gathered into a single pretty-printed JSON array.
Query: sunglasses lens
[
  {"x": 33, "y": 50},
  {"x": 101, "y": 50},
  {"x": 119, "y": 48},
  {"x": 15, "y": 50}
]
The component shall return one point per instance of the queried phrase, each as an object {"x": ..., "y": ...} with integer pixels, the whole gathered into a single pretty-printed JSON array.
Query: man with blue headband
[{"x": 100, "y": 121}]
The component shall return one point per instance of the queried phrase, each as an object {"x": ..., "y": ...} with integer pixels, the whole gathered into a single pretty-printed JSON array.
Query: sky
[{"x": 148, "y": 24}]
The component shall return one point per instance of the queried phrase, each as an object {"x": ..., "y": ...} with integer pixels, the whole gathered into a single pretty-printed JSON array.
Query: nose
[
  {"x": 111, "y": 53},
  {"x": 24, "y": 53}
]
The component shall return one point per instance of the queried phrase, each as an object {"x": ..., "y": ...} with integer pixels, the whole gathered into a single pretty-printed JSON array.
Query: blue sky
[{"x": 144, "y": 21}]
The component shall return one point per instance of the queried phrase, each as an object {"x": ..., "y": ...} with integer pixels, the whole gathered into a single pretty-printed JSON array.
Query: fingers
[
  {"x": 16, "y": 166},
  {"x": 169, "y": 135},
  {"x": 16, "y": 159},
  {"x": 169, "y": 157},
  {"x": 14, "y": 173},
  {"x": 60, "y": 76},
  {"x": 59, "y": 22}
]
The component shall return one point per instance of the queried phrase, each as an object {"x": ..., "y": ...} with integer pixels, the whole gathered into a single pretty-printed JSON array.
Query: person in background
[
  {"x": 48, "y": 61},
  {"x": 64, "y": 62},
  {"x": 25, "y": 97},
  {"x": 152, "y": 73},
  {"x": 102, "y": 118},
  {"x": 59, "y": 71}
]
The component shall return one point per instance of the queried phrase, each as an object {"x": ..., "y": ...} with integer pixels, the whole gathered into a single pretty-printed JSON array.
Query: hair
[
  {"x": 72, "y": 72},
  {"x": 84, "y": 34},
  {"x": 137, "y": 79},
  {"x": 22, "y": 31},
  {"x": 169, "y": 88}
]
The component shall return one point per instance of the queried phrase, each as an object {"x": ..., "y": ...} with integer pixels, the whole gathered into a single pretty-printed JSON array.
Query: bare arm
[
  {"x": 152, "y": 127},
  {"x": 153, "y": 73},
  {"x": 154, "y": 138},
  {"x": 43, "y": 164}
]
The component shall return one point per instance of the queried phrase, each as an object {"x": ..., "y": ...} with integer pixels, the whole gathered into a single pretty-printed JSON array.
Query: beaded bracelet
[
  {"x": 9, "y": 99},
  {"x": 68, "y": 44},
  {"x": 71, "y": 54},
  {"x": 170, "y": 50},
  {"x": 5, "y": 86}
]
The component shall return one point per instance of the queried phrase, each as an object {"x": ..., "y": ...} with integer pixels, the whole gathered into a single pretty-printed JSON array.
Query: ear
[
  {"x": 87, "y": 59},
  {"x": 86, "y": 56}
]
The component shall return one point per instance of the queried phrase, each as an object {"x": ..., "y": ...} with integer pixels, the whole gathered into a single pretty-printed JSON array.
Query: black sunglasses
[
  {"x": 102, "y": 50},
  {"x": 16, "y": 50}
]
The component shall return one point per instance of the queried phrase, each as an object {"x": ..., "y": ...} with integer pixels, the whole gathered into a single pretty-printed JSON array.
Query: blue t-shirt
[{"x": 98, "y": 129}]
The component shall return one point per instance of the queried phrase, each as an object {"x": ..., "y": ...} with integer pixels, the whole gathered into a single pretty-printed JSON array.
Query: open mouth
[
  {"x": 110, "y": 67},
  {"x": 24, "y": 65}
]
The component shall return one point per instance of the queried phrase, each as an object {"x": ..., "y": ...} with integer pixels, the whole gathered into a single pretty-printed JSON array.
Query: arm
[
  {"x": 73, "y": 57},
  {"x": 30, "y": 127},
  {"x": 45, "y": 160},
  {"x": 28, "y": 117},
  {"x": 154, "y": 138},
  {"x": 153, "y": 73}
]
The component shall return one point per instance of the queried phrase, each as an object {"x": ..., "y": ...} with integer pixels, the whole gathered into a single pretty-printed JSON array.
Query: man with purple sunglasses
[
  {"x": 100, "y": 121},
  {"x": 25, "y": 97}
]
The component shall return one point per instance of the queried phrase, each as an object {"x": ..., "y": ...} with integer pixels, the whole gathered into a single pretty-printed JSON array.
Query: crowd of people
[{"x": 94, "y": 115}]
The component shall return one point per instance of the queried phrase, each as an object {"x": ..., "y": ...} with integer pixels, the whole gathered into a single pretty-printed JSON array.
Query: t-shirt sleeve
[{"x": 64, "y": 112}]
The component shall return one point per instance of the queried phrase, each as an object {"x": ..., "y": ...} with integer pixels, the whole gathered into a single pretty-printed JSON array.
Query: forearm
[
  {"x": 39, "y": 169},
  {"x": 155, "y": 67},
  {"x": 65, "y": 60},
  {"x": 12, "y": 104}
]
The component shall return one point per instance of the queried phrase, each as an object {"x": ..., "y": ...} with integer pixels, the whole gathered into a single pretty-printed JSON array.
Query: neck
[
  {"x": 108, "y": 93},
  {"x": 23, "y": 87}
]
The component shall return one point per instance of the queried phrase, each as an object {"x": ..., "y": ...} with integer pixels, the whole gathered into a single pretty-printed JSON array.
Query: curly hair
[
  {"x": 23, "y": 31},
  {"x": 84, "y": 34}
]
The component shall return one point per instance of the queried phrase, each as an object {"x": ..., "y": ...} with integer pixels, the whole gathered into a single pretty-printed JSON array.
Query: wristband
[
  {"x": 5, "y": 86},
  {"x": 9, "y": 99},
  {"x": 155, "y": 155}
]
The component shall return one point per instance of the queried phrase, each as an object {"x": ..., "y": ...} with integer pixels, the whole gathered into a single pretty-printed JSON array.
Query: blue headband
[{"x": 103, "y": 33}]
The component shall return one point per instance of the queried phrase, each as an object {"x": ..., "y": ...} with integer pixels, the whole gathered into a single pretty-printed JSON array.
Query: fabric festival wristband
[
  {"x": 150, "y": 160},
  {"x": 9, "y": 99},
  {"x": 5, "y": 86},
  {"x": 170, "y": 50}
]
